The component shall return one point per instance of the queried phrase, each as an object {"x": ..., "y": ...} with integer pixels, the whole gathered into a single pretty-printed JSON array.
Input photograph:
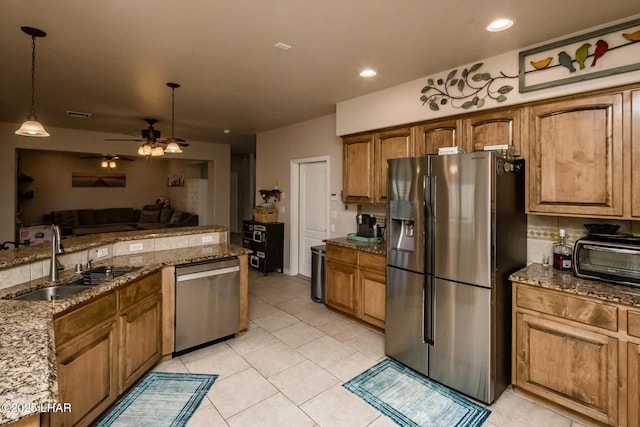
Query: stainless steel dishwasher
[{"x": 207, "y": 302}]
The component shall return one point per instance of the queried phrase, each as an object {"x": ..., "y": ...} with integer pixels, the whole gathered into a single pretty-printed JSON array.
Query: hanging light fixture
[
  {"x": 172, "y": 146},
  {"x": 31, "y": 127}
]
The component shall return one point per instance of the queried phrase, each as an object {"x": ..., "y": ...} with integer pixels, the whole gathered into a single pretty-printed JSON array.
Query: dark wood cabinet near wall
[{"x": 266, "y": 240}]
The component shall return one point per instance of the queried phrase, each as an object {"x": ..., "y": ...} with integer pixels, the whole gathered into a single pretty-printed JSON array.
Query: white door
[{"x": 313, "y": 212}]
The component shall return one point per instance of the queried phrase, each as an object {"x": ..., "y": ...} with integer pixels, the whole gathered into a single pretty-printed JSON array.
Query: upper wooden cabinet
[
  {"x": 390, "y": 144},
  {"x": 357, "y": 169},
  {"x": 575, "y": 156},
  {"x": 635, "y": 154},
  {"x": 431, "y": 136},
  {"x": 493, "y": 128}
]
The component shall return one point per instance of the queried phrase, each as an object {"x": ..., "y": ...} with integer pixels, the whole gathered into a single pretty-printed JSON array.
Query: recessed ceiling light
[
  {"x": 500, "y": 25},
  {"x": 367, "y": 73},
  {"x": 227, "y": 131},
  {"x": 282, "y": 46}
]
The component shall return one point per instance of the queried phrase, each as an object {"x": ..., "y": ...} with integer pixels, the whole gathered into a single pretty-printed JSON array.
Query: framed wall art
[{"x": 600, "y": 53}]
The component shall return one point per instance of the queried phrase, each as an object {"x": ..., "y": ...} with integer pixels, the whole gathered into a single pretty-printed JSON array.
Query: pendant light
[
  {"x": 172, "y": 146},
  {"x": 31, "y": 127}
]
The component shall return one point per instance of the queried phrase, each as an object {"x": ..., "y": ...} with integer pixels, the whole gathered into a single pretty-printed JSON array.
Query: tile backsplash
[{"x": 543, "y": 232}]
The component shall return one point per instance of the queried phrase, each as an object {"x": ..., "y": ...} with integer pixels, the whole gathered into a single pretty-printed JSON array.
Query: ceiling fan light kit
[
  {"x": 172, "y": 146},
  {"x": 32, "y": 127}
]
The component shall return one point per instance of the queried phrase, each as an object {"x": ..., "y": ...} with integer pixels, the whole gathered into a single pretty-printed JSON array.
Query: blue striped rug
[
  {"x": 411, "y": 399},
  {"x": 160, "y": 399}
]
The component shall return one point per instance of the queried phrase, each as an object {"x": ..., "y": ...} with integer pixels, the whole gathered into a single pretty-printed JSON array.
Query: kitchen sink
[{"x": 52, "y": 293}]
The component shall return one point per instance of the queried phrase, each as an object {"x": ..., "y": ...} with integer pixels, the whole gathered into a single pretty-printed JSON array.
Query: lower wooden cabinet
[
  {"x": 579, "y": 352},
  {"x": 356, "y": 283},
  {"x": 104, "y": 346}
]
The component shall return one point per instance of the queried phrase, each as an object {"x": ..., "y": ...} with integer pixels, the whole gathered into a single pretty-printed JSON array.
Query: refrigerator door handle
[
  {"x": 429, "y": 222},
  {"x": 427, "y": 313}
]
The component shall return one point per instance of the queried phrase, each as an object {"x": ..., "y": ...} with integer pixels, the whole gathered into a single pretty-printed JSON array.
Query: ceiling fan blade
[{"x": 122, "y": 139}]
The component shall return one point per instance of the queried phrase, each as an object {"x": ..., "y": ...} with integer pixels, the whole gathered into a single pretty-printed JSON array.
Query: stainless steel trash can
[{"x": 317, "y": 272}]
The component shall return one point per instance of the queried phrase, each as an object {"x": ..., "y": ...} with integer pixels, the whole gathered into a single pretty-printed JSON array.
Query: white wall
[
  {"x": 274, "y": 151},
  {"x": 401, "y": 104},
  {"x": 73, "y": 140}
]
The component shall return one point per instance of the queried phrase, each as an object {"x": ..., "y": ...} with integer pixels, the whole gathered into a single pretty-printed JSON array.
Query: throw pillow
[
  {"x": 176, "y": 217},
  {"x": 149, "y": 216},
  {"x": 155, "y": 207},
  {"x": 165, "y": 214}
]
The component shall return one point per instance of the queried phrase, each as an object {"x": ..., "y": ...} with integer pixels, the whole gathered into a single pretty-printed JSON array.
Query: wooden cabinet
[
  {"x": 358, "y": 169},
  {"x": 493, "y": 128},
  {"x": 633, "y": 364},
  {"x": 356, "y": 283},
  {"x": 391, "y": 144},
  {"x": 635, "y": 155},
  {"x": 430, "y": 137},
  {"x": 140, "y": 329},
  {"x": 575, "y": 156},
  {"x": 104, "y": 346},
  {"x": 570, "y": 350},
  {"x": 86, "y": 346}
]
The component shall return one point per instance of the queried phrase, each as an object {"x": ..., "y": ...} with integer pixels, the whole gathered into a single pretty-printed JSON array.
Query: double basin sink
[{"x": 91, "y": 277}]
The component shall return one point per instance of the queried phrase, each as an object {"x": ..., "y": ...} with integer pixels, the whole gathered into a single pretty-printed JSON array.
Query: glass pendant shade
[
  {"x": 157, "y": 151},
  {"x": 172, "y": 147},
  {"x": 112, "y": 164},
  {"x": 104, "y": 164},
  {"x": 32, "y": 127}
]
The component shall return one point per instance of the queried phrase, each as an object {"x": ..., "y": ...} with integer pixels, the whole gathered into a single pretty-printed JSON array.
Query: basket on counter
[{"x": 265, "y": 214}]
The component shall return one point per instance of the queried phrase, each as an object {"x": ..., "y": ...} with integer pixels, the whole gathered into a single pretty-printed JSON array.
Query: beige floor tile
[
  {"x": 297, "y": 305},
  {"x": 204, "y": 352},
  {"x": 342, "y": 329},
  {"x": 384, "y": 421},
  {"x": 206, "y": 416},
  {"x": 254, "y": 339},
  {"x": 275, "y": 321},
  {"x": 276, "y": 411},
  {"x": 338, "y": 407},
  {"x": 238, "y": 392},
  {"x": 298, "y": 334},
  {"x": 303, "y": 381},
  {"x": 512, "y": 410},
  {"x": 325, "y": 351},
  {"x": 318, "y": 316},
  {"x": 351, "y": 366},
  {"x": 259, "y": 308},
  {"x": 171, "y": 365},
  {"x": 224, "y": 362},
  {"x": 370, "y": 343},
  {"x": 273, "y": 359}
]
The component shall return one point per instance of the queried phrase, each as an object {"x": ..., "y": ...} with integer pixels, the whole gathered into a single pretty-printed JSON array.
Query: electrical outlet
[
  {"x": 102, "y": 252},
  {"x": 136, "y": 247},
  {"x": 207, "y": 239},
  {"x": 333, "y": 228}
]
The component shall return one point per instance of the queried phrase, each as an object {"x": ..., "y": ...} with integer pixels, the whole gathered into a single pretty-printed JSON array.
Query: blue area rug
[
  {"x": 411, "y": 399},
  {"x": 160, "y": 399}
]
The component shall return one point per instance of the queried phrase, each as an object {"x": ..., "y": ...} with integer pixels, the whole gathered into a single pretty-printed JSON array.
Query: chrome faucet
[{"x": 56, "y": 248}]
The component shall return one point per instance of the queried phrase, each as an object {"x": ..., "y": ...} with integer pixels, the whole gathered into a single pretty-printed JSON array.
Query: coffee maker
[{"x": 366, "y": 225}]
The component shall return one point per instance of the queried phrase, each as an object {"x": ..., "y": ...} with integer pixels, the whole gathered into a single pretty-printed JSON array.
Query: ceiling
[{"x": 113, "y": 58}]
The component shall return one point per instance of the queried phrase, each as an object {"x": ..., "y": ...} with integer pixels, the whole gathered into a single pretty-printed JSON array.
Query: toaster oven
[{"x": 612, "y": 259}]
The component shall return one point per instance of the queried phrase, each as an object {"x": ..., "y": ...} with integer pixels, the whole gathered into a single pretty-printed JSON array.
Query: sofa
[{"x": 80, "y": 222}]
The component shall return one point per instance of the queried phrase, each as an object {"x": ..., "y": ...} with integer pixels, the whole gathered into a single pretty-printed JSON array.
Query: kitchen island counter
[
  {"x": 27, "y": 342},
  {"x": 550, "y": 278}
]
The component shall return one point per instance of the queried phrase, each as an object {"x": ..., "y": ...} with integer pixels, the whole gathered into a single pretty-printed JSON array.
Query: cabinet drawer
[
  {"x": 342, "y": 254},
  {"x": 567, "y": 307},
  {"x": 372, "y": 261},
  {"x": 633, "y": 324},
  {"x": 82, "y": 319},
  {"x": 138, "y": 291}
]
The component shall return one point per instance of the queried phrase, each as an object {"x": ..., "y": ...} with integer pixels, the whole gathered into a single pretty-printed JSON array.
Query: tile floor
[{"x": 288, "y": 368}]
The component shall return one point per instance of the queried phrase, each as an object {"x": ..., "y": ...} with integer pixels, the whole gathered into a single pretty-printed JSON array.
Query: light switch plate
[
  {"x": 136, "y": 247},
  {"x": 102, "y": 252},
  {"x": 207, "y": 239}
]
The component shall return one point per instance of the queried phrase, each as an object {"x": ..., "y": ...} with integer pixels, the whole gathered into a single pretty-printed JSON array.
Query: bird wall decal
[
  {"x": 601, "y": 48},
  {"x": 566, "y": 61},
  {"x": 634, "y": 37},
  {"x": 542, "y": 63},
  {"x": 581, "y": 54}
]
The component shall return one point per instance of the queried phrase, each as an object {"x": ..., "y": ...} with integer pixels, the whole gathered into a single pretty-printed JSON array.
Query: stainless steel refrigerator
[{"x": 456, "y": 230}]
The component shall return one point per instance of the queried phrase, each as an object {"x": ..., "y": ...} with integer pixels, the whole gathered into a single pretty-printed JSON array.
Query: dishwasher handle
[{"x": 206, "y": 273}]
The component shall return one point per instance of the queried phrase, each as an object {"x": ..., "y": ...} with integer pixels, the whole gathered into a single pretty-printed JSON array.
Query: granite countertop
[
  {"x": 374, "y": 247},
  {"x": 25, "y": 254},
  {"x": 27, "y": 342},
  {"x": 550, "y": 278}
]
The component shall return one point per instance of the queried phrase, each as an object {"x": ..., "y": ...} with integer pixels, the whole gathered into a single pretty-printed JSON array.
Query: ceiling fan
[
  {"x": 108, "y": 160},
  {"x": 150, "y": 134}
]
